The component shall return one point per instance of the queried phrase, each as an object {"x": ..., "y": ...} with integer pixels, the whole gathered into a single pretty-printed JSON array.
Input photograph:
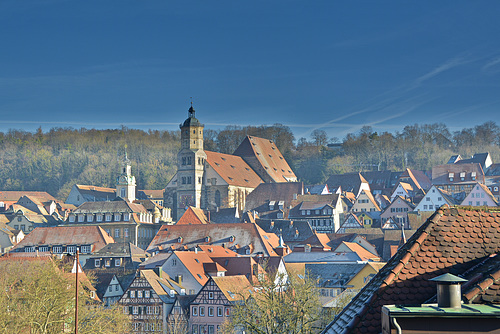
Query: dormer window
[
  {"x": 450, "y": 176},
  {"x": 462, "y": 176},
  {"x": 473, "y": 176},
  {"x": 271, "y": 205}
]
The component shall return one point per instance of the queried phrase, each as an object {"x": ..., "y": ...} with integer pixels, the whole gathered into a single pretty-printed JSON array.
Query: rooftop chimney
[{"x": 449, "y": 292}]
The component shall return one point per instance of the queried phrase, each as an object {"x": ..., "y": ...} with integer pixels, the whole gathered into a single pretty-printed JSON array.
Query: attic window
[
  {"x": 232, "y": 166},
  {"x": 281, "y": 158},
  {"x": 223, "y": 158},
  {"x": 450, "y": 176},
  {"x": 473, "y": 175},
  {"x": 217, "y": 164},
  {"x": 230, "y": 178},
  {"x": 199, "y": 275},
  {"x": 266, "y": 167},
  {"x": 248, "y": 169},
  {"x": 462, "y": 176},
  {"x": 270, "y": 156},
  {"x": 197, "y": 261},
  {"x": 246, "y": 180},
  {"x": 283, "y": 170}
]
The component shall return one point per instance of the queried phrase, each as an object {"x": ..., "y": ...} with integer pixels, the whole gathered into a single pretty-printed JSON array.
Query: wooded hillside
[{"x": 54, "y": 161}]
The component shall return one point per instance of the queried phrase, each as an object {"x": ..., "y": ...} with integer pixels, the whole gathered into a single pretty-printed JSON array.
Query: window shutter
[{"x": 130, "y": 310}]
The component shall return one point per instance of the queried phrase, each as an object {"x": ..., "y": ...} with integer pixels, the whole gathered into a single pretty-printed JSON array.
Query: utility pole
[{"x": 76, "y": 290}]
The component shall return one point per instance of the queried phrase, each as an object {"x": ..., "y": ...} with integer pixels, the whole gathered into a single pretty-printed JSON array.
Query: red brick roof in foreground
[{"x": 462, "y": 241}]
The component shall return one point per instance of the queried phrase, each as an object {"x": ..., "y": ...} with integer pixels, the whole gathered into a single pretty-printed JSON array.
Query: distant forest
[{"x": 54, "y": 161}]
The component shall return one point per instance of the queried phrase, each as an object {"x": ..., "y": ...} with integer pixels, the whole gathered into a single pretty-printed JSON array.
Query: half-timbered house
[{"x": 214, "y": 301}]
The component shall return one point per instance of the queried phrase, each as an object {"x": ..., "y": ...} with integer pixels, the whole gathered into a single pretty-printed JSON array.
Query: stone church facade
[{"x": 211, "y": 180}]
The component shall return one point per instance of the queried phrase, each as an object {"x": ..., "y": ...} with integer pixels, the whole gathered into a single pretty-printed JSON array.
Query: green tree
[{"x": 38, "y": 297}]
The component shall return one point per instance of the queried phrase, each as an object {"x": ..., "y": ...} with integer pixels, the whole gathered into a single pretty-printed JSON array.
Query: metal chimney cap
[{"x": 448, "y": 278}]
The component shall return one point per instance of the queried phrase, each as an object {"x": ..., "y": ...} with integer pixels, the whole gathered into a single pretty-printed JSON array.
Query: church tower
[
  {"x": 125, "y": 185},
  {"x": 190, "y": 164}
]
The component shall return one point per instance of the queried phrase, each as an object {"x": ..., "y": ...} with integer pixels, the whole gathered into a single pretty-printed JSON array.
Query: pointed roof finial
[{"x": 191, "y": 109}]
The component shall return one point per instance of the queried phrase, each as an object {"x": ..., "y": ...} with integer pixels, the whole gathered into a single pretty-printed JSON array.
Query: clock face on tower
[
  {"x": 123, "y": 179},
  {"x": 186, "y": 200}
]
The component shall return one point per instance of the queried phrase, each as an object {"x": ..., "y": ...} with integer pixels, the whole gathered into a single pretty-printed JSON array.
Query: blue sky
[{"x": 331, "y": 65}]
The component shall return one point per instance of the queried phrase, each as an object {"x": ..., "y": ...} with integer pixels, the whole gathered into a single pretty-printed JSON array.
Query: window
[
  {"x": 107, "y": 263},
  {"x": 126, "y": 217},
  {"x": 125, "y": 232},
  {"x": 135, "y": 310},
  {"x": 139, "y": 293},
  {"x": 71, "y": 249},
  {"x": 108, "y": 231},
  {"x": 110, "y": 289},
  {"x": 174, "y": 262},
  {"x": 202, "y": 311},
  {"x": 146, "y": 294},
  {"x": 81, "y": 218},
  {"x": 90, "y": 218},
  {"x": 116, "y": 287},
  {"x": 227, "y": 311},
  {"x": 117, "y": 217},
  {"x": 57, "y": 249},
  {"x": 194, "y": 311},
  {"x": 183, "y": 180},
  {"x": 86, "y": 249},
  {"x": 43, "y": 248},
  {"x": 16, "y": 227},
  {"x": 195, "y": 329},
  {"x": 219, "y": 311},
  {"x": 117, "y": 232},
  {"x": 98, "y": 218},
  {"x": 189, "y": 180},
  {"x": 210, "y": 295},
  {"x": 122, "y": 192},
  {"x": 211, "y": 329},
  {"x": 131, "y": 293},
  {"x": 108, "y": 217},
  {"x": 118, "y": 262},
  {"x": 210, "y": 311},
  {"x": 71, "y": 219},
  {"x": 29, "y": 249},
  {"x": 23, "y": 227}
]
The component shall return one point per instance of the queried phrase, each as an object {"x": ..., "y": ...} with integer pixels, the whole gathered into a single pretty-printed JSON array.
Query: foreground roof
[{"x": 454, "y": 240}]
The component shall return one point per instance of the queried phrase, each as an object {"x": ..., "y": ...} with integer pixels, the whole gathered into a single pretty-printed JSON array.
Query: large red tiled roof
[
  {"x": 14, "y": 196},
  {"x": 454, "y": 240},
  {"x": 233, "y": 169},
  {"x": 234, "y": 236},
  {"x": 67, "y": 235},
  {"x": 269, "y": 157}
]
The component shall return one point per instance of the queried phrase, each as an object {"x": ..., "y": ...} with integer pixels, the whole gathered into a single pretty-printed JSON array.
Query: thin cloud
[{"x": 448, "y": 65}]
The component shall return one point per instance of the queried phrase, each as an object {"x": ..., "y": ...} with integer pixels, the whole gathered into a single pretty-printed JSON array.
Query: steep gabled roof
[
  {"x": 350, "y": 182},
  {"x": 266, "y": 192},
  {"x": 454, "y": 240},
  {"x": 269, "y": 158},
  {"x": 193, "y": 216},
  {"x": 233, "y": 169}
]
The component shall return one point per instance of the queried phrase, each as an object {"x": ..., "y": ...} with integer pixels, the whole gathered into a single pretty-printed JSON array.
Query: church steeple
[
  {"x": 190, "y": 164},
  {"x": 125, "y": 184}
]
